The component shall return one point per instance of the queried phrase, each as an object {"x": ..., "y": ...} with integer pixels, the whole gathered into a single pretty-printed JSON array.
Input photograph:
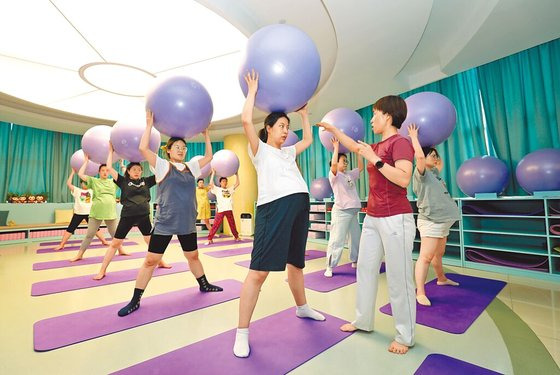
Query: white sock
[
  {"x": 241, "y": 347},
  {"x": 305, "y": 311},
  {"x": 328, "y": 272}
]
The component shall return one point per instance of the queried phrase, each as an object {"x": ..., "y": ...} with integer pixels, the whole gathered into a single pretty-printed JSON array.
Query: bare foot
[
  {"x": 105, "y": 243},
  {"x": 447, "y": 282},
  {"x": 423, "y": 300},
  {"x": 162, "y": 264},
  {"x": 123, "y": 253},
  {"x": 397, "y": 348},
  {"x": 238, "y": 239},
  {"x": 348, "y": 327},
  {"x": 99, "y": 276},
  {"x": 75, "y": 259},
  {"x": 59, "y": 247}
]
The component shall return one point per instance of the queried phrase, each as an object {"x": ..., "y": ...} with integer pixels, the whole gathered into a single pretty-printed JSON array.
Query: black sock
[
  {"x": 205, "y": 286},
  {"x": 134, "y": 303}
]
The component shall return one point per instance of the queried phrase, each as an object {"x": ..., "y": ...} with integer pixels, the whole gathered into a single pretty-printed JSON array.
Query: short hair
[
  {"x": 223, "y": 178},
  {"x": 394, "y": 106}
]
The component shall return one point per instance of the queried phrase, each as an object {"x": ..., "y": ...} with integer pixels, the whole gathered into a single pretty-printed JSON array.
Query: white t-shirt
[
  {"x": 162, "y": 168},
  {"x": 277, "y": 172},
  {"x": 82, "y": 200},
  {"x": 344, "y": 189},
  {"x": 224, "y": 198}
]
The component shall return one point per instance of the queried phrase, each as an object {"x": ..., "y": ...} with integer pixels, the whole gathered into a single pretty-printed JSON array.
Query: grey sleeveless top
[{"x": 176, "y": 203}]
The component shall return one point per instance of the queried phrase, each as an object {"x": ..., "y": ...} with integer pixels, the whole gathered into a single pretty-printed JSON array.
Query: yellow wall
[{"x": 246, "y": 195}]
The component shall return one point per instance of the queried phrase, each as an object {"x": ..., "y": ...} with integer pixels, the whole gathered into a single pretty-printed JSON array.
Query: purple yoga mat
[
  {"x": 455, "y": 308},
  {"x": 230, "y": 252},
  {"x": 523, "y": 261},
  {"x": 73, "y": 328},
  {"x": 279, "y": 343},
  {"x": 342, "y": 276},
  {"x": 53, "y": 243},
  {"x": 91, "y": 260},
  {"x": 437, "y": 364},
  {"x": 311, "y": 254},
  {"x": 72, "y": 248},
  {"x": 82, "y": 282},
  {"x": 225, "y": 243}
]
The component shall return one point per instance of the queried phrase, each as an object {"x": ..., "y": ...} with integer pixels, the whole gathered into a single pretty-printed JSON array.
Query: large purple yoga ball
[
  {"x": 77, "y": 160},
  {"x": 204, "y": 172},
  {"x": 288, "y": 65},
  {"x": 225, "y": 163},
  {"x": 539, "y": 171},
  {"x": 347, "y": 121},
  {"x": 434, "y": 115},
  {"x": 181, "y": 106},
  {"x": 321, "y": 188},
  {"x": 485, "y": 174},
  {"x": 95, "y": 143},
  {"x": 291, "y": 139},
  {"x": 126, "y": 136}
]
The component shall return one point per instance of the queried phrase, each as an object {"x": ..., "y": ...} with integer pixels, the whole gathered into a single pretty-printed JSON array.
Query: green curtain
[
  {"x": 313, "y": 162},
  {"x": 521, "y": 96}
]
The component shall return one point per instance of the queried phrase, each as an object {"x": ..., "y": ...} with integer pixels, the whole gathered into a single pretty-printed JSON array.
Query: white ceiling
[{"x": 369, "y": 48}]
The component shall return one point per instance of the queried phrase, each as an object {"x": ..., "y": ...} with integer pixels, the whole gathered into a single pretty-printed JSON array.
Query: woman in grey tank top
[
  {"x": 437, "y": 212},
  {"x": 176, "y": 210}
]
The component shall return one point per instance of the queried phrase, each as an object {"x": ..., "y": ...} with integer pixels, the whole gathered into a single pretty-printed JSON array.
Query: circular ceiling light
[{"x": 119, "y": 79}]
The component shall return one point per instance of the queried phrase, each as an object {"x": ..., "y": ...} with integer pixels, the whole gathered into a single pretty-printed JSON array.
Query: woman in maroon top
[{"x": 388, "y": 228}]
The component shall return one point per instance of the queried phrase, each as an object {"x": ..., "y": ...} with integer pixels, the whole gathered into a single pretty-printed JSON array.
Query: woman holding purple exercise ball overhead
[
  {"x": 176, "y": 210},
  {"x": 437, "y": 212},
  {"x": 282, "y": 216}
]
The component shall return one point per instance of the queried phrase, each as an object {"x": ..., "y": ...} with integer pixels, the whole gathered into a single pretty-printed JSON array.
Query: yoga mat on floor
[
  {"x": 437, "y": 364},
  {"x": 230, "y": 252},
  {"x": 73, "y": 328},
  {"x": 523, "y": 261},
  {"x": 91, "y": 260},
  {"x": 54, "y": 243},
  {"x": 82, "y": 282},
  {"x": 342, "y": 276},
  {"x": 77, "y": 247},
  {"x": 225, "y": 243},
  {"x": 279, "y": 344},
  {"x": 311, "y": 254},
  {"x": 455, "y": 308}
]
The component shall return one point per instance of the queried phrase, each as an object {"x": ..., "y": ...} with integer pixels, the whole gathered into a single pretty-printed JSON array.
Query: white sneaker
[
  {"x": 354, "y": 264},
  {"x": 328, "y": 272}
]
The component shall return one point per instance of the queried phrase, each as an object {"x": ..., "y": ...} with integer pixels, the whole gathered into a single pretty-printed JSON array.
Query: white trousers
[
  {"x": 343, "y": 223},
  {"x": 393, "y": 237}
]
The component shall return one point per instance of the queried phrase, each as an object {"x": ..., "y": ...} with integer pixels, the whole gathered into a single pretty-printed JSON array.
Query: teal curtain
[
  {"x": 521, "y": 96},
  {"x": 314, "y": 161},
  {"x": 38, "y": 162},
  {"x": 5, "y": 137}
]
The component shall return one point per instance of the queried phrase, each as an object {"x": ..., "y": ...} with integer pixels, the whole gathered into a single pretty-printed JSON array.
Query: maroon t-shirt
[{"x": 386, "y": 198}]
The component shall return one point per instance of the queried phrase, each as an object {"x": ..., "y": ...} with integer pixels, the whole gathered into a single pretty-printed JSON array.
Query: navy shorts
[{"x": 281, "y": 233}]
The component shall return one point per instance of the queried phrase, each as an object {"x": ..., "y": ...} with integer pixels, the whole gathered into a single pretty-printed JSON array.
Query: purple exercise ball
[
  {"x": 485, "y": 174},
  {"x": 181, "y": 106},
  {"x": 77, "y": 160},
  {"x": 539, "y": 171},
  {"x": 434, "y": 115},
  {"x": 211, "y": 196},
  {"x": 205, "y": 172},
  {"x": 288, "y": 64},
  {"x": 95, "y": 143},
  {"x": 347, "y": 121},
  {"x": 126, "y": 136},
  {"x": 225, "y": 163},
  {"x": 291, "y": 139},
  {"x": 321, "y": 188}
]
